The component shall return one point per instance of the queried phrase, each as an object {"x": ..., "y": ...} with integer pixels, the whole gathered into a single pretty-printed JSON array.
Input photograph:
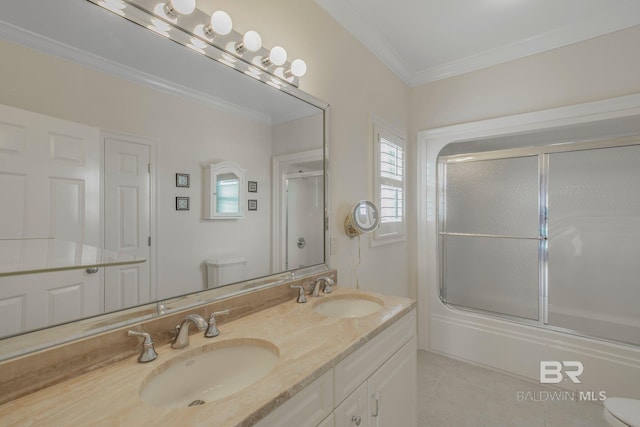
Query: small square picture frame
[
  {"x": 252, "y": 205},
  {"x": 182, "y": 203},
  {"x": 183, "y": 180},
  {"x": 252, "y": 186}
]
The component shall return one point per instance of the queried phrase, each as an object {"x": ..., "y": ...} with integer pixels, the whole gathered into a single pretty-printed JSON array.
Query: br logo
[{"x": 551, "y": 371}]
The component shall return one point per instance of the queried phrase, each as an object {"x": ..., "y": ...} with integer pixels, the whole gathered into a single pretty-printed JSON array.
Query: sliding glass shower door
[
  {"x": 547, "y": 236},
  {"x": 490, "y": 236},
  {"x": 594, "y": 242}
]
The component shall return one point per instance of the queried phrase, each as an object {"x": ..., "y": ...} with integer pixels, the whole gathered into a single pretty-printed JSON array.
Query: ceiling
[{"x": 427, "y": 40}]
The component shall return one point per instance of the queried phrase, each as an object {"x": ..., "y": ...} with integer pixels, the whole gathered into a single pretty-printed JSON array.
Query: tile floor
[{"x": 456, "y": 394}]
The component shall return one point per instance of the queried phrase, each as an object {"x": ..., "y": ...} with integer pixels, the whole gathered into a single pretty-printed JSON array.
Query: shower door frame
[
  {"x": 543, "y": 153},
  {"x": 486, "y": 340}
]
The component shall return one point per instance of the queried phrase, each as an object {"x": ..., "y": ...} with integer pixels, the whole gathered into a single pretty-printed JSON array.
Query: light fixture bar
[{"x": 191, "y": 31}]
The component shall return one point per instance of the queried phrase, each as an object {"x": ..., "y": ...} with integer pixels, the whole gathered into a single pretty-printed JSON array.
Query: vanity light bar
[{"x": 244, "y": 52}]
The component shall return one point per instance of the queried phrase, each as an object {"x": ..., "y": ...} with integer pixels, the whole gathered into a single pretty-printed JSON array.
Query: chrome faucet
[
  {"x": 328, "y": 283},
  {"x": 212, "y": 330},
  {"x": 182, "y": 330},
  {"x": 148, "y": 352}
]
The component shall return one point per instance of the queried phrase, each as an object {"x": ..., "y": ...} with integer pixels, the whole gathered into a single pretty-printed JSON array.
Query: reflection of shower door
[
  {"x": 304, "y": 212},
  {"x": 127, "y": 227}
]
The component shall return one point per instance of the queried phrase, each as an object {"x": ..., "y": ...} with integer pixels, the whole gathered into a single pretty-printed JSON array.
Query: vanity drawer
[
  {"x": 357, "y": 367},
  {"x": 307, "y": 408}
]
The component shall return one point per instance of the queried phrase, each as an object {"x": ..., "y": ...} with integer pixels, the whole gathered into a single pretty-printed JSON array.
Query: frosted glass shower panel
[
  {"x": 594, "y": 242},
  {"x": 492, "y": 274},
  {"x": 498, "y": 197}
]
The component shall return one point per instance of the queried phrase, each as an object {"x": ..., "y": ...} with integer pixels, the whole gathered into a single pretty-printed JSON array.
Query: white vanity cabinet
[
  {"x": 386, "y": 398},
  {"x": 376, "y": 386},
  {"x": 393, "y": 389}
]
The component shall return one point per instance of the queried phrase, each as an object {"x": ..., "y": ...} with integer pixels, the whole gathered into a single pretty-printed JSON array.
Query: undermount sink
[
  {"x": 348, "y": 306},
  {"x": 209, "y": 373}
]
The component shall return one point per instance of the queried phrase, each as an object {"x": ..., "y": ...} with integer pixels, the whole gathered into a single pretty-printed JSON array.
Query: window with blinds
[{"x": 389, "y": 184}]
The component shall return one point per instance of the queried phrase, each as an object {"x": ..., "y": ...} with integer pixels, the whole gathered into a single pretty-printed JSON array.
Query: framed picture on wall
[
  {"x": 182, "y": 203},
  {"x": 252, "y": 205},
  {"x": 253, "y": 186},
  {"x": 182, "y": 180}
]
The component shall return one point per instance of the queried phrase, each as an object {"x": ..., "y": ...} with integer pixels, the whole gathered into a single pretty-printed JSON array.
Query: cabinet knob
[{"x": 356, "y": 420}]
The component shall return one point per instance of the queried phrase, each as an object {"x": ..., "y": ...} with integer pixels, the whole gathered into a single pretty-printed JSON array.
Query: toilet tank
[{"x": 225, "y": 269}]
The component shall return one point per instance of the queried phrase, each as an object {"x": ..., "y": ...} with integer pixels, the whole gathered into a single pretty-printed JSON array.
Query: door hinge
[
  {"x": 149, "y": 167},
  {"x": 149, "y": 240}
]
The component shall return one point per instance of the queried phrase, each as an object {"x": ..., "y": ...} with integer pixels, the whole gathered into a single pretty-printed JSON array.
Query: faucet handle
[
  {"x": 212, "y": 330},
  {"x": 148, "y": 352},
  {"x": 301, "y": 296}
]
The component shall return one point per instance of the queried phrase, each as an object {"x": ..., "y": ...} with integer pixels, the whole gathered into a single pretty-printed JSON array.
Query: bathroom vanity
[
  {"x": 331, "y": 370},
  {"x": 374, "y": 386}
]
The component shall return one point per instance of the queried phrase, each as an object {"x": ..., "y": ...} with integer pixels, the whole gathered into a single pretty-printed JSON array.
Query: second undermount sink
[
  {"x": 348, "y": 305},
  {"x": 209, "y": 373}
]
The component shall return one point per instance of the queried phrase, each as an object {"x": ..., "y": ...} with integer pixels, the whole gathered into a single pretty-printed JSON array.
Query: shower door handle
[{"x": 301, "y": 242}]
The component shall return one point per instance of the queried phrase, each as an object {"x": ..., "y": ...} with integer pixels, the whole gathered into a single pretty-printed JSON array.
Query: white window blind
[{"x": 389, "y": 184}]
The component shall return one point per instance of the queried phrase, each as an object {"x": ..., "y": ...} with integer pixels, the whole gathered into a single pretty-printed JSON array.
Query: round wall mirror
[{"x": 363, "y": 218}]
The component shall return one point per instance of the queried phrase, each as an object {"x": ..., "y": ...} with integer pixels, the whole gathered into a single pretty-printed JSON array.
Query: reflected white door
[
  {"x": 49, "y": 187},
  {"x": 127, "y": 225},
  {"x": 304, "y": 220}
]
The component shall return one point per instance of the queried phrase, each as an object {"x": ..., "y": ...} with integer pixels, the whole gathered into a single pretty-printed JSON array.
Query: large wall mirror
[{"x": 99, "y": 117}]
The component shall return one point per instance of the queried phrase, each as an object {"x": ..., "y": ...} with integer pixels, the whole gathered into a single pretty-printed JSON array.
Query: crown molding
[
  {"x": 372, "y": 39},
  {"x": 348, "y": 17},
  {"x": 615, "y": 20}
]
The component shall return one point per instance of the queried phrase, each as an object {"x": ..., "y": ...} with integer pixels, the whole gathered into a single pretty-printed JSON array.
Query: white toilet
[
  {"x": 225, "y": 269},
  {"x": 621, "y": 412}
]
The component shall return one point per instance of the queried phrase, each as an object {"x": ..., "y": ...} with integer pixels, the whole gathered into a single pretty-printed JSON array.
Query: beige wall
[
  {"x": 342, "y": 72},
  {"x": 595, "y": 69}
]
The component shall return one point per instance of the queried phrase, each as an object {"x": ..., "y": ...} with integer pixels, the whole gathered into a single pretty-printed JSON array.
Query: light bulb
[
  {"x": 252, "y": 41},
  {"x": 183, "y": 7},
  {"x": 298, "y": 68},
  {"x": 278, "y": 55},
  {"x": 221, "y": 23}
]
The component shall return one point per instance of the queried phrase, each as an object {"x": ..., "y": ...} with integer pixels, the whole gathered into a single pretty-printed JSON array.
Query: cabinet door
[
  {"x": 393, "y": 390},
  {"x": 353, "y": 411}
]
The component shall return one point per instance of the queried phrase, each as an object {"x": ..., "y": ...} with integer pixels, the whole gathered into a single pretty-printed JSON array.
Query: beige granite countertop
[{"x": 309, "y": 344}]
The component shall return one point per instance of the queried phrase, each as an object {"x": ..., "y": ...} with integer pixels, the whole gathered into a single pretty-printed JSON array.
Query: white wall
[
  {"x": 298, "y": 135},
  {"x": 186, "y": 135},
  {"x": 342, "y": 72}
]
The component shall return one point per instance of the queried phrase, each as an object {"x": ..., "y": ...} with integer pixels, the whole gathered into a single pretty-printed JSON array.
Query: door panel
[
  {"x": 50, "y": 176},
  {"x": 127, "y": 225}
]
